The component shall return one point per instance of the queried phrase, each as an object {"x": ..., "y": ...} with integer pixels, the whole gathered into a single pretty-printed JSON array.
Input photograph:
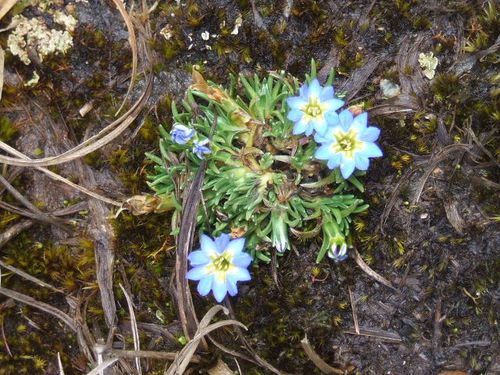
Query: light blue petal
[
  {"x": 197, "y": 273},
  {"x": 319, "y": 125},
  {"x": 304, "y": 91},
  {"x": 198, "y": 258},
  {"x": 208, "y": 245},
  {"x": 345, "y": 118},
  {"x": 332, "y": 118},
  {"x": 309, "y": 129},
  {"x": 324, "y": 152},
  {"x": 242, "y": 260},
  {"x": 300, "y": 127},
  {"x": 334, "y": 161},
  {"x": 347, "y": 167},
  {"x": 314, "y": 89},
  {"x": 326, "y": 93},
  {"x": 333, "y": 104},
  {"x": 221, "y": 242},
  {"x": 205, "y": 285},
  {"x": 295, "y": 115},
  {"x": 361, "y": 161},
  {"x": 296, "y": 102},
  {"x": 370, "y": 134},
  {"x": 240, "y": 274},
  {"x": 219, "y": 288},
  {"x": 236, "y": 246},
  {"x": 371, "y": 150},
  {"x": 360, "y": 121},
  {"x": 231, "y": 285}
]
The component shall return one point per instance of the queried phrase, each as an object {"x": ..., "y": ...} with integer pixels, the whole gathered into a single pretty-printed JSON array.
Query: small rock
[{"x": 389, "y": 89}]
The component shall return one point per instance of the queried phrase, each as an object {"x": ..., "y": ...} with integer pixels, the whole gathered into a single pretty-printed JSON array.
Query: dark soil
[{"x": 431, "y": 230}]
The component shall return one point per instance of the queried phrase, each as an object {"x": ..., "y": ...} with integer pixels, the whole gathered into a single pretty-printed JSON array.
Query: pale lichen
[
  {"x": 428, "y": 62},
  {"x": 34, "y": 35}
]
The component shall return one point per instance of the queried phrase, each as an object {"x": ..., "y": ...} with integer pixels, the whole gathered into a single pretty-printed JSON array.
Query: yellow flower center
[
  {"x": 222, "y": 263},
  {"x": 313, "y": 108},
  {"x": 346, "y": 143}
]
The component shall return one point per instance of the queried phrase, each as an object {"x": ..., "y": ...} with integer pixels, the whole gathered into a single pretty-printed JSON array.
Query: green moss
[{"x": 7, "y": 129}]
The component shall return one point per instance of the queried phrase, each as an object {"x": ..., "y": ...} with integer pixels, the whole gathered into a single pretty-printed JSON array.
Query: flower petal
[
  {"x": 300, "y": 127},
  {"x": 235, "y": 247},
  {"x": 198, "y": 273},
  {"x": 371, "y": 150},
  {"x": 221, "y": 242},
  {"x": 242, "y": 260},
  {"x": 208, "y": 245},
  {"x": 198, "y": 258},
  {"x": 347, "y": 167},
  {"x": 324, "y": 152},
  {"x": 319, "y": 124},
  {"x": 232, "y": 288},
  {"x": 333, "y": 104},
  {"x": 360, "y": 121},
  {"x": 370, "y": 134},
  {"x": 334, "y": 161},
  {"x": 332, "y": 118},
  {"x": 205, "y": 285},
  {"x": 296, "y": 102},
  {"x": 239, "y": 274},
  {"x": 219, "y": 286},
  {"x": 362, "y": 162},
  {"x": 345, "y": 118},
  {"x": 295, "y": 115},
  {"x": 326, "y": 93},
  {"x": 304, "y": 91},
  {"x": 314, "y": 89}
]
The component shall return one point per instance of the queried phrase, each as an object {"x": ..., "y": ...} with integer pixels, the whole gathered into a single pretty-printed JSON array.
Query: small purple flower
[
  {"x": 338, "y": 252},
  {"x": 314, "y": 108},
  {"x": 181, "y": 134},
  {"x": 218, "y": 265},
  {"x": 200, "y": 149},
  {"x": 349, "y": 144}
]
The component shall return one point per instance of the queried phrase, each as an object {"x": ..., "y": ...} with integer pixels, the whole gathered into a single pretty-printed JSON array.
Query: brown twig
[
  {"x": 354, "y": 311},
  {"x": 324, "y": 367},
  {"x": 365, "y": 267},
  {"x": 382, "y": 335}
]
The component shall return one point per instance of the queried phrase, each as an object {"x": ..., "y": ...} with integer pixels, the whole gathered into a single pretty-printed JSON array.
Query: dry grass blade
[
  {"x": 183, "y": 358},
  {"x": 105, "y": 136},
  {"x": 39, "y": 305},
  {"x": 6, "y": 6},
  {"x": 354, "y": 311},
  {"x": 361, "y": 263},
  {"x": 14, "y": 230},
  {"x": 29, "y": 277},
  {"x": 324, "y": 367},
  {"x": 185, "y": 305},
  {"x": 59, "y": 364},
  {"x": 103, "y": 366},
  {"x": 135, "y": 331},
  {"x": 382, "y": 335},
  {"x": 433, "y": 163},
  {"x": 40, "y": 215},
  {"x": 2, "y": 62},
  {"x": 133, "y": 45},
  {"x": 149, "y": 354}
]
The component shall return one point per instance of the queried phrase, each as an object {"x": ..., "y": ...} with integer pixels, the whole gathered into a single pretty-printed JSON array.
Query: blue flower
[
  {"x": 181, "y": 134},
  {"x": 200, "y": 149},
  {"x": 338, "y": 252},
  {"x": 219, "y": 265},
  {"x": 313, "y": 109},
  {"x": 349, "y": 144}
]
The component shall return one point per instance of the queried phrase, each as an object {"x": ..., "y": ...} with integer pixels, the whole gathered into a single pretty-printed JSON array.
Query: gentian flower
[
  {"x": 313, "y": 109},
  {"x": 219, "y": 265},
  {"x": 181, "y": 134},
  {"x": 349, "y": 144},
  {"x": 338, "y": 252},
  {"x": 200, "y": 149}
]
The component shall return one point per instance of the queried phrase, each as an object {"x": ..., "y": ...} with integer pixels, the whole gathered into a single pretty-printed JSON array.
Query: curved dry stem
[{"x": 133, "y": 45}]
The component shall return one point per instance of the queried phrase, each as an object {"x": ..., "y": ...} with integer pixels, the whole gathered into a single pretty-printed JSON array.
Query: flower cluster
[
  {"x": 182, "y": 135},
  {"x": 347, "y": 142},
  {"x": 218, "y": 265}
]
